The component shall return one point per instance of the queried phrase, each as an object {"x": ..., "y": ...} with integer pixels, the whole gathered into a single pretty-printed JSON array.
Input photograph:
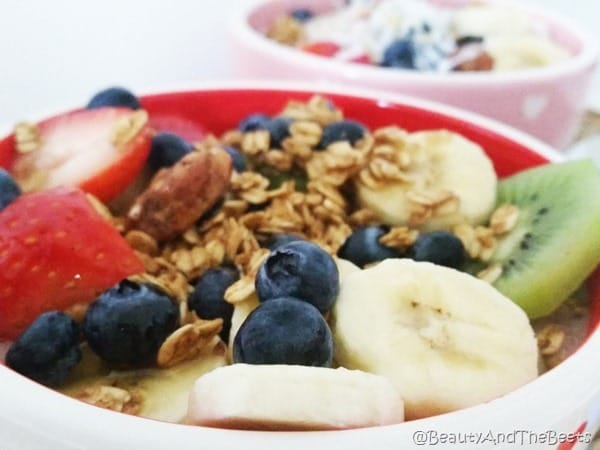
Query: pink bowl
[{"x": 547, "y": 102}]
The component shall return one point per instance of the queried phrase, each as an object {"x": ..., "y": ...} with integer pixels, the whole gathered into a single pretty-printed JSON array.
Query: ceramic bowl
[
  {"x": 545, "y": 102},
  {"x": 564, "y": 399}
]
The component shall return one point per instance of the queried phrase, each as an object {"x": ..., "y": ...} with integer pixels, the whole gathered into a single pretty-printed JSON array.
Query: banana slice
[
  {"x": 447, "y": 340},
  {"x": 241, "y": 310},
  {"x": 518, "y": 52},
  {"x": 490, "y": 20},
  {"x": 286, "y": 397},
  {"x": 345, "y": 267},
  {"x": 442, "y": 162},
  {"x": 160, "y": 394}
]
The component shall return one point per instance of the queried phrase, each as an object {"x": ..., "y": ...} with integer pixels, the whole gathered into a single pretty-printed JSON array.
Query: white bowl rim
[
  {"x": 36, "y": 413},
  {"x": 585, "y": 59}
]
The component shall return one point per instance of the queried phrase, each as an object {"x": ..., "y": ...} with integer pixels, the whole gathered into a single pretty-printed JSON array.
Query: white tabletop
[{"x": 59, "y": 52}]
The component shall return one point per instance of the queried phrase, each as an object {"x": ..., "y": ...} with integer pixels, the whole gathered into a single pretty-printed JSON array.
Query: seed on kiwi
[{"x": 555, "y": 244}]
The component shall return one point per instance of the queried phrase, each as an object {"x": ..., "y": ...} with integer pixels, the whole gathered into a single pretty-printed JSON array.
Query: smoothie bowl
[
  {"x": 267, "y": 266},
  {"x": 506, "y": 60}
]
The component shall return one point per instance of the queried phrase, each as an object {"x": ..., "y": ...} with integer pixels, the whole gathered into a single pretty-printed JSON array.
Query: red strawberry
[
  {"x": 56, "y": 251},
  {"x": 78, "y": 149},
  {"x": 322, "y": 48}
]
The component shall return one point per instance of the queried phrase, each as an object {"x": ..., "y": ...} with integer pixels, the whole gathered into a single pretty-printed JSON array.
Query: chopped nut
[
  {"x": 188, "y": 342},
  {"x": 504, "y": 219}
]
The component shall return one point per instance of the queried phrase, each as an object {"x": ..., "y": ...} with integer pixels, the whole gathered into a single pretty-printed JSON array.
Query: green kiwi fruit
[{"x": 555, "y": 244}]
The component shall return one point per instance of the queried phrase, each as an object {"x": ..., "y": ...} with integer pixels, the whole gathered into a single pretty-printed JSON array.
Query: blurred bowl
[
  {"x": 564, "y": 399},
  {"x": 546, "y": 102}
]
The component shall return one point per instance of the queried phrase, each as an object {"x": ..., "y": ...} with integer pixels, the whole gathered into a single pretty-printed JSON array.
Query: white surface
[{"x": 60, "y": 52}]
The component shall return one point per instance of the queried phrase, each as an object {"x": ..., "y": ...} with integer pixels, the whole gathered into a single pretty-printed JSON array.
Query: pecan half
[{"x": 177, "y": 196}]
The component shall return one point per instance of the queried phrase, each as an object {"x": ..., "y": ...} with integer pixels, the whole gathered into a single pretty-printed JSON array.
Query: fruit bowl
[
  {"x": 546, "y": 102},
  {"x": 562, "y": 400}
]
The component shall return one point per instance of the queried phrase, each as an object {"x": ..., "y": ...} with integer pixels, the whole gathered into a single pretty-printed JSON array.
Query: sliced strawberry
[
  {"x": 322, "y": 48},
  {"x": 56, "y": 251},
  {"x": 182, "y": 127},
  {"x": 79, "y": 149}
]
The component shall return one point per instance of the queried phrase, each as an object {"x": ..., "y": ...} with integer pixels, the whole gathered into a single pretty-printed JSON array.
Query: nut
[{"x": 177, "y": 196}]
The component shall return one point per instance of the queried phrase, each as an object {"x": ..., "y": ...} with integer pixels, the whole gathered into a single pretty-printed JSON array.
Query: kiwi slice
[{"x": 555, "y": 244}]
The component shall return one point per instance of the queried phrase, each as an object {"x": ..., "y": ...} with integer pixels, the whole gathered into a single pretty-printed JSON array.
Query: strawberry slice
[
  {"x": 99, "y": 150},
  {"x": 322, "y": 48},
  {"x": 56, "y": 251}
]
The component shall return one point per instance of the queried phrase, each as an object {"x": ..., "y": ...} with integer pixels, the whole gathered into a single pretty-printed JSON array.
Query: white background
[{"x": 59, "y": 52}]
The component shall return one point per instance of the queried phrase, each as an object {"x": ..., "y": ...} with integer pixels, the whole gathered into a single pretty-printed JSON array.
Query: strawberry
[
  {"x": 362, "y": 59},
  {"x": 56, "y": 251},
  {"x": 79, "y": 148},
  {"x": 322, "y": 48}
]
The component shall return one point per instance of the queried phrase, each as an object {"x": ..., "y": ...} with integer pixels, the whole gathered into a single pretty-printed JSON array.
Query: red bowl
[{"x": 552, "y": 402}]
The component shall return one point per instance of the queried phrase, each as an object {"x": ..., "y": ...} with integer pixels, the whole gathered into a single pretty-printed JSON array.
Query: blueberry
[
  {"x": 302, "y": 270},
  {"x": 47, "y": 350},
  {"x": 362, "y": 247},
  {"x": 302, "y": 14},
  {"x": 400, "y": 54},
  {"x": 277, "y": 240},
  {"x": 343, "y": 130},
  {"x": 114, "y": 96},
  {"x": 439, "y": 247},
  {"x": 127, "y": 324},
  {"x": 279, "y": 129},
  {"x": 253, "y": 122},
  {"x": 208, "y": 297},
  {"x": 284, "y": 331},
  {"x": 237, "y": 159},
  {"x": 9, "y": 189},
  {"x": 166, "y": 150}
]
